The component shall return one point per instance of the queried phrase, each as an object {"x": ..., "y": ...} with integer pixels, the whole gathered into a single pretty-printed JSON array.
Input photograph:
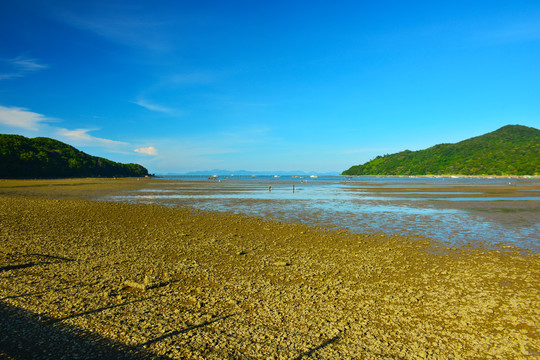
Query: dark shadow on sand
[
  {"x": 33, "y": 263},
  {"x": 312, "y": 351},
  {"x": 52, "y": 321},
  {"x": 33, "y": 293},
  {"x": 18, "y": 266},
  {"x": 51, "y": 257},
  {"x": 177, "y": 332},
  {"x": 25, "y": 335}
]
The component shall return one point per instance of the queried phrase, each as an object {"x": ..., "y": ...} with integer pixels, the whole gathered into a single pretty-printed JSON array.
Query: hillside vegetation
[
  {"x": 40, "y": 157},
  {"x": 510, "y": 150}
]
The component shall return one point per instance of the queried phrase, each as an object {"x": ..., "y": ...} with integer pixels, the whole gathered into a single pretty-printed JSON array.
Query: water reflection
[{"x": 454, "y": 210}]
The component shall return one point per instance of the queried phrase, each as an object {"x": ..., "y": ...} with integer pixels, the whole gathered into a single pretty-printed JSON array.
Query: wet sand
[
  {"x": 125, "y": 280},
  {"x": 471, "y": 211}
]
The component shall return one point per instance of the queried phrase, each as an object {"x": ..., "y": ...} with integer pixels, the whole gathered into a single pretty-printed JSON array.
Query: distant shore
[
  {"x": 148, "y": 281},
  {"x": 451, "y": 176},
  {"x": 158, "y": 176}
]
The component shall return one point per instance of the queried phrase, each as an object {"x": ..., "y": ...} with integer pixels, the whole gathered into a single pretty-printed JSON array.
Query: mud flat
[{"x": 82, "y": 278}]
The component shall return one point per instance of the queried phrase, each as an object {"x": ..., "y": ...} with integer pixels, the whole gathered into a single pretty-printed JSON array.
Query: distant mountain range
[
  {"x": 222, "y": 172},
  {"x": 41, "y": 157},
  {"x": 510, "y": 150}
]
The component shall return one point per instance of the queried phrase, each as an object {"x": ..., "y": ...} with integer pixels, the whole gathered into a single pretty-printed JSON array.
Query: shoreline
[
  {"x": 158, "y": 176},
  {"x": 182, "y": 283},
  {"x": 502, "y": 213},
  {"x": 451, "y": 176}
]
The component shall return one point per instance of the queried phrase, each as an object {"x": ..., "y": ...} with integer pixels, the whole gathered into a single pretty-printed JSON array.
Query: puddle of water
[
  {"x": 493, "y": 198},
  {"x": 431, "y": 193},
  {"x": 362, "y": 207}
]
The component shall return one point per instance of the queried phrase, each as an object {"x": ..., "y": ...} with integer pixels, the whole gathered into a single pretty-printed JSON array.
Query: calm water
[{"x": 453, "y": 210}]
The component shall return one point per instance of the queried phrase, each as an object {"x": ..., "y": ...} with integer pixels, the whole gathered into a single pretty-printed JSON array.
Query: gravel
[{"x": 88, "y": 279}]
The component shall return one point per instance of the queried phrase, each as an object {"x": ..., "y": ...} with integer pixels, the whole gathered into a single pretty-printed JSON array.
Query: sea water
[{"x": 451, "y": 210}]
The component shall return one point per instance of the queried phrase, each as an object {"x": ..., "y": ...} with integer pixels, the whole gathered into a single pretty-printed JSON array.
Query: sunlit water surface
[{"x": 452, "y": 210}]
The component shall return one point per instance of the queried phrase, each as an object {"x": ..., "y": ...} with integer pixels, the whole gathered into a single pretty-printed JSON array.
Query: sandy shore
[{"x": 80, "y": 277}]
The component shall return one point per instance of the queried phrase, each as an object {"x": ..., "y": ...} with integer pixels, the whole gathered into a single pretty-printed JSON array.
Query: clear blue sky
[{"x": 265, "y": 85}]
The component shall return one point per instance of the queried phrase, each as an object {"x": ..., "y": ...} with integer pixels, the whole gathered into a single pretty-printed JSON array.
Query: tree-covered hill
[
  {"x": 510, "y": 150},
  {"x": 40, "y": 157}
]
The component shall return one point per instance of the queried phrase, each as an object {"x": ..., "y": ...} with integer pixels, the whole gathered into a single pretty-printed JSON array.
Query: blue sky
[{"x": 265, "y": 85}]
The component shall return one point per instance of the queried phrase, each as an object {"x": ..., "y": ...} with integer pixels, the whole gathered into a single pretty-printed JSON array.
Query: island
[
  {"x": 45, "y": 158},
  {"x": 510, "y": 150}
]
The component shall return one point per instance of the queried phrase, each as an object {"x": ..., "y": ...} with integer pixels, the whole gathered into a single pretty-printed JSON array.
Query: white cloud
[
  {"x": 147, "y": 150},
  {"x": 27, "y": 64},
  {"x": 24, "y": 120},
  {"x": 81, "y": 137},
  {"x": 125, "y": 24},
  {"x": 19, "y": 67},
  {"x": 21, "y": 118},
  {"x": 153, "y": 107}
]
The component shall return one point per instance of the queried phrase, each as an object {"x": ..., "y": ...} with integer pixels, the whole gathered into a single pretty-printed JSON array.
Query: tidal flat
[{"x": 81, "y": 278}]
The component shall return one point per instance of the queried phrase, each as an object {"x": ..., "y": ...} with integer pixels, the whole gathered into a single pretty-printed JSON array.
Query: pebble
[{"x": 330, "y": 304}]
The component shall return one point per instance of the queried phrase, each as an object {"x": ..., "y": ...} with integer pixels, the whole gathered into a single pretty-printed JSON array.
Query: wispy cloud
[
  {"x": 150, "y": 150},
  {"x": 154, "y": 107},
  {"x": 21, "y": 118},
  {"x": 19, "y": 67},
  {"x": 81, "y": 137},
  {"x": 125, "y": 24}
]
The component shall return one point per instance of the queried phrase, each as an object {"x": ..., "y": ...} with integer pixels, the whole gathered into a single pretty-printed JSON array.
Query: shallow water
[{"x": 451, "y": 210}]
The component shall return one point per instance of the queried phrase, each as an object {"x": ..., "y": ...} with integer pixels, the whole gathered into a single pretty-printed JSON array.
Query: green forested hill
[
  {"x": 41, "y": 157},
  {"x": 510, "y": 150}
]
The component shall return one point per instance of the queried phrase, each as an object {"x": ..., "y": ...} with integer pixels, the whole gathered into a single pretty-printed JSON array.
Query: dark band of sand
[{"x": 150, "y": 280}]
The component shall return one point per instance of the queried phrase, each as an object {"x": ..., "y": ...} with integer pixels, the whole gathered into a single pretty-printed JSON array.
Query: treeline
[
  {"x": 40, "y": 157},
  {"x": 510, "y": 150}
]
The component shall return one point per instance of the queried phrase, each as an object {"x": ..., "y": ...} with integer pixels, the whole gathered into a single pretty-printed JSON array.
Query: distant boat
[
  {"x": 276, "y": 176},
  {"x": 313, "y": 176}
]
